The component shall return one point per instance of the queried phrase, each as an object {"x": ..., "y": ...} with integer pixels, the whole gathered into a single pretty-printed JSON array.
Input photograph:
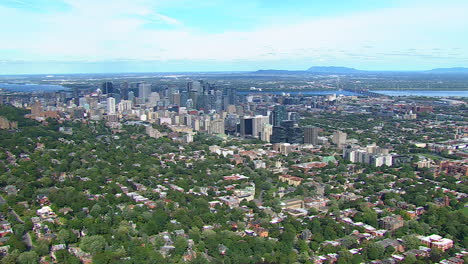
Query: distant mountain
[
  {"x": 315, "y": 69},
  {"x": 279, "y": 72},
  {"x": 449, "y": 70},
  {"x": 346, "y": 70},
  {"x": 332, "y": 69}
]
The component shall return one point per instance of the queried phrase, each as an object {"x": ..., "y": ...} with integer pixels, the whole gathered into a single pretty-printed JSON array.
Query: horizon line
[{"x": 246, "y": 71}]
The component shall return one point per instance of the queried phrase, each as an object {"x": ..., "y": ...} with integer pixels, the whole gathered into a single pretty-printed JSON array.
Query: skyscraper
[
  {"x": 279, "y": 114},
  {"x": 110, "y": 106},
  {"x": 246, "y": 126},
  {"x": 124, "y": 90},
  {"x": 288, "y": 132},
  {"x": 311, "y": 135},
  {"x": 107, "y": 88},
  {"x": 339, "y": 138},
  {"x": 267, "y": 131},
  {"x": 257, "y": 126},
  {"x": 144, "y": 90}
]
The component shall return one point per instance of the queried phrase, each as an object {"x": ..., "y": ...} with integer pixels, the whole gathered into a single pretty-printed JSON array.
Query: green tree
[
  {"x": 411, "y": 242},
  {"x": 29, "y": 257},
  {"x": 374, "y": 251},
  {"x": 42, "y": 248},
  {"x": 180, "y": 245},
  {"x": 9, "y": 259},
  {"x": 93, "y": 244},
  {"x": 63, "y": 256},
  {"x": 66, "y": 236}
]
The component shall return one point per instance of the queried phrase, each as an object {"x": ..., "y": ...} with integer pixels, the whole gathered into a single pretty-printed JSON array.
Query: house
[
  {"x": 56, "y": 248},
  {"x": 84, "y": 257},
  {"x": 5, "y": 228},
  {"x": 394, "y": 243},
  {"x": 391, "y": 222},
  {"x": 291, "y": 180},
  {"x": 292, "y": 204},
  {"x": 436, "y": 241},
  {"x": 235, "y": 177},
  {"x": 46, "y": 213}
]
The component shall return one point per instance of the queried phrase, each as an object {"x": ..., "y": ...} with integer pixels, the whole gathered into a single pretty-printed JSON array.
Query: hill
[
  {"x": 449, "y": 70},
  {"x": 332, "y": 69}
]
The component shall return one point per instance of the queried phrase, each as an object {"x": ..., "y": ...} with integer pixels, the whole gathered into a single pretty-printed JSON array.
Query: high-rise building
[
  {"x": 246, "y": 126},
  {"x": 176, "y": 99},
  {"x": 339, "y": 138},
  {"x": 257, "y": 126},
  {"x": 144, "y": 90},
  {"x": 279, "y": 114},
  {"x": 288, "y": 132},
  {"x": 110, "y": 105},
  {"x": 124, "y": 106},
  {"x": 131, "y": 96},
  {"x": 267, "y": 131},
  {"x": 153, "y": 99},
  {"x": 311, "y": 135},
  {"x": 216, "y": 126},
  {"x": 124, "y": 90},
  {"x": 107, "y": 88}
]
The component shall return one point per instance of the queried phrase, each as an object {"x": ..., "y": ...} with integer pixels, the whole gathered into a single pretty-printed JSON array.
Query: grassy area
[{"x": 431, "y": 156}]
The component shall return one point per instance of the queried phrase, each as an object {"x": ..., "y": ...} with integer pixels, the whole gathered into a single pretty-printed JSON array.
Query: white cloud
[
  {"x": 115, "y": 29},
  {"x": 167, "y": 20}
]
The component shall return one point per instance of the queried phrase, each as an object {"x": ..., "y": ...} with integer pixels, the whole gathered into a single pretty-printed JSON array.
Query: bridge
[{"x": 364, "y": 92}]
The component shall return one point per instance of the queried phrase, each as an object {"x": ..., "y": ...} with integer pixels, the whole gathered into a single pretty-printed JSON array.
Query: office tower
[
  {"x": 311, "y": 135},
  {"x": 144, "y": 91},
  {"x": 230, "y": 97},
  {"x": 258, "y": 123},
  {"x": 267, "y": 131},
  {"x": 175, "y": 98},
  {"x": 124, "y": 106},
  {"x": 124, "y": 90},
  {"x": 184, "y": 96},
  {"x": 194, "y": 86},
  {"x": 218, "y": 101},
  {"x": 131, "y": 96},
  {"x": 279, "y": 114},
  {"x": 216, "y": 126},
  {"x": 76, "y": 96},
  {"x": 189, "y": 86},
  {"x": 107, "y": 88},
  {"x": 153, "y": 99},
  {"x": 339, "y": 138},
  {"x": 246, "y": 126},
  {"x": 110, "y": 106},
  {"x": 288, "y": 132}
]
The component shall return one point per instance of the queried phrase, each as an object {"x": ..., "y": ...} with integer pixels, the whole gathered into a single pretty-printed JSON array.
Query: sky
[{"x": 101, "y": 36}]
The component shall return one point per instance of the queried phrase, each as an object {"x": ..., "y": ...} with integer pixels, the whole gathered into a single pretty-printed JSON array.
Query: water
[
  {"x": 441, "y": 93},
  {"x": 427, "y": 93},
  {"x": 347, "y": 93},
  {"x": 29, "y": 87}
]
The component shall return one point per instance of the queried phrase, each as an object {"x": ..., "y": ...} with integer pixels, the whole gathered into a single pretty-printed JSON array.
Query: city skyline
[{"x": 71, "y": 36}]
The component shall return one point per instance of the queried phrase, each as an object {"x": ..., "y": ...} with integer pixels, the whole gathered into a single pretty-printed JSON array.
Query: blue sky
[{"x": 75, "y": 36}]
